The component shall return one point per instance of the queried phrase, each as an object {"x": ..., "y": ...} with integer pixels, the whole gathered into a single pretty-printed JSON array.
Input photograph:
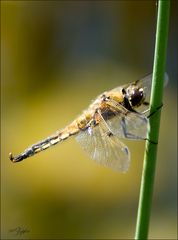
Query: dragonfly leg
[
  {"x": 157, "y": 109},
  {"x": 151, "y": 141}
]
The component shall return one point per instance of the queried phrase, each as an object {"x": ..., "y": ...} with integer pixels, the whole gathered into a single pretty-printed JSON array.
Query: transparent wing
[
  {"x": 104, "y": 148},
  {"x": 124, "y": 123},
  {"x": 146, "y": 82}
]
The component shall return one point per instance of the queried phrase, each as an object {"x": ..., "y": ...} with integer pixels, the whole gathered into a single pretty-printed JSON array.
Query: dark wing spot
[
  {"x": 126, "y": 150},
  {"x": 123, "y": 91},
  {"x": 109, "y": 134}
]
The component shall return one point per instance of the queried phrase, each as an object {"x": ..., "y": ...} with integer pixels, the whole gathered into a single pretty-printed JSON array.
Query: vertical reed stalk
[{"x": 149, "y": 165}]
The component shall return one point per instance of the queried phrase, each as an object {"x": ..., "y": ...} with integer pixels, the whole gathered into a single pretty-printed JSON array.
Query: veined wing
[
  {"x": 125, "y": 123},
  {"x": 104, "y": 147}
]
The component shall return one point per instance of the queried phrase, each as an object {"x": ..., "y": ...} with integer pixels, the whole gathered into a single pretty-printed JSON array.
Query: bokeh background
[{"x": 56, "y": 56}]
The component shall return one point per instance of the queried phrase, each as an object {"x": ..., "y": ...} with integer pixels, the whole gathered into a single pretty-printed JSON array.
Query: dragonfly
[{"x": 120, "y": 113}]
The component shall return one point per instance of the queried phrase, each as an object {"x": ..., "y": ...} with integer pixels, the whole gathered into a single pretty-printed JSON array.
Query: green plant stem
[{"x": 149, "y": 165}]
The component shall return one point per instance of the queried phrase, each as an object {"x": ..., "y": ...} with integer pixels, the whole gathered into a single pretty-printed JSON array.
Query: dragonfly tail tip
[
  {"x": 15, "y": 159},
  {"x": 11, "y": 157}
]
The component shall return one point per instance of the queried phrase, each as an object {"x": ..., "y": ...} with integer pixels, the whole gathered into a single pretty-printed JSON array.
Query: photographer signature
[{"x": 19, "y": 231}]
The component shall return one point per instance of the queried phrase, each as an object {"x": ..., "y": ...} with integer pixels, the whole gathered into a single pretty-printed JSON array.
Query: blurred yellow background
[{"x": 56, "y": 57}]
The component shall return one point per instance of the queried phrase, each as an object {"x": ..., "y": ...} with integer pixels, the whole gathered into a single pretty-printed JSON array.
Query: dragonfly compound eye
[{"x": 136, "y": 97}]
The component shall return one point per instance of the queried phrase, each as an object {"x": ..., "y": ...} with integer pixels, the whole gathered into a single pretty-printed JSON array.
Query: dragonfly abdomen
[{"x": 46, "y": 143}]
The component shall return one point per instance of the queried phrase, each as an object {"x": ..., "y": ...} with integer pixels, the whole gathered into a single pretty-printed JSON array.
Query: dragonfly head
[{"x": 135, "y": 95}]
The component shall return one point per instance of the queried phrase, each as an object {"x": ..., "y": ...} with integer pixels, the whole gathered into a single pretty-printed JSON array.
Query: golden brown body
[{"x": 114, "y": 103}]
